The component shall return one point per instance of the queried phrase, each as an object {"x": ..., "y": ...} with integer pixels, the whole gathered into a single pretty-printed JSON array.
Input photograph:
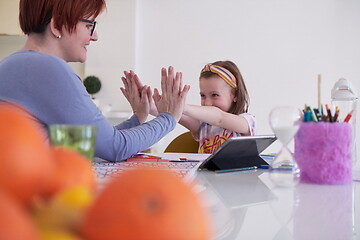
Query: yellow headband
[{"x": 221, "y": 72}]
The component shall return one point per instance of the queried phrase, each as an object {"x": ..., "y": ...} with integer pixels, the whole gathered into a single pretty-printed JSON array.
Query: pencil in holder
[{"x": 323, "y": 152}]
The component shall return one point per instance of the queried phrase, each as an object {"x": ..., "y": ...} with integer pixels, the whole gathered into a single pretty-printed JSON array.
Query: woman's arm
[
  {"x": 216, "y": 117},
  {"x": 58, "y": 96}
]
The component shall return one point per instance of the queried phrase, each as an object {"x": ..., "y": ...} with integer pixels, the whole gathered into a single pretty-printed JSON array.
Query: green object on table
[{"x": 80, "y": 138}]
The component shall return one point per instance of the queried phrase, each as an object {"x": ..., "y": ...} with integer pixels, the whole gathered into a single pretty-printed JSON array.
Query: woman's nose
[{"x": 94, "y": 37}]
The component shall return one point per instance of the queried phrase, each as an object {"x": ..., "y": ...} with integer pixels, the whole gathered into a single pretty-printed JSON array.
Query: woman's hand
[
  {"x": 138, "y": 96},
  {"x": 173, "y": 97}
]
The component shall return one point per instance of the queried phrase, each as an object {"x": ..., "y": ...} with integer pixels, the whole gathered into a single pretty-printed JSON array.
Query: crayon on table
[
  {"x": 184, "y": 160},
  {"x": 144, "y": 155}
]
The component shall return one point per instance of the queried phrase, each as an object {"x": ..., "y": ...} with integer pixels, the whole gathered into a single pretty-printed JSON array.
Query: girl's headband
[{"x": 221, "y": 72}]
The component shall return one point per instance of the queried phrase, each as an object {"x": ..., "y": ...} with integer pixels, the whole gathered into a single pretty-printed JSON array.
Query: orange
[
  {"x": 146, "y": 203},
  {"x": 25, "y": 162},
  {"x": 71, "y": 168},
  {"x": 64, "y": 211},
  {"x": 15, "y": 223}
]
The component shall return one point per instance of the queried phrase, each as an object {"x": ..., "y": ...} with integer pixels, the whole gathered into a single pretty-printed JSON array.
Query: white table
[{"x": 246, "y": 205}]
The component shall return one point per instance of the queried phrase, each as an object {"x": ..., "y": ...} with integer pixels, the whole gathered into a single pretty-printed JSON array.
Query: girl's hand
[
  {"x": 138, "y": 96},
  {"x": 173, "y": 97}
]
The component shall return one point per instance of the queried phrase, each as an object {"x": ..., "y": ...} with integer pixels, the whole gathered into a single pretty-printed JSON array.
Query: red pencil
[
  {"x": 347, "y": 119},
  {"x": 140, "y": 159}
]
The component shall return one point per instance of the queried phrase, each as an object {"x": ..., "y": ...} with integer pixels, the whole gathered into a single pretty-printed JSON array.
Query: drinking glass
[{"x": 80, "y": 138}]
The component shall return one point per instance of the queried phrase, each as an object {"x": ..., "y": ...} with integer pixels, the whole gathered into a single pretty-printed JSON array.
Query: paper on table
[
  {"x": 168, "y": 157},
  {"x": 187, "y": 170},
  {"x": 188, "y": 156}
]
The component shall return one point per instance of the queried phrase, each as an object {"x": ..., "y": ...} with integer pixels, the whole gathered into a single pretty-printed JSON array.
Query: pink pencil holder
[{"x": 323, "y": 152}]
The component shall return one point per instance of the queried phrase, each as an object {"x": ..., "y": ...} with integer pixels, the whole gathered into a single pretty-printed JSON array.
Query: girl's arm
[
  {"x": 216, "y": 117},
  {"x": 192, "y": 124}
]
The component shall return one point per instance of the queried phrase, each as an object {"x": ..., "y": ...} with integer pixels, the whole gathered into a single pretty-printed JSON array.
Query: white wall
[
  {"x": 114, "y": 52},
  {"x": 280, "y": 46}
]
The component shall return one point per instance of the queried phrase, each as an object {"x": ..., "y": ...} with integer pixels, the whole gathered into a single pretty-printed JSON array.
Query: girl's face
[
  {"x": 214, "y": 91},
  {"x": 74, "y": 45}
]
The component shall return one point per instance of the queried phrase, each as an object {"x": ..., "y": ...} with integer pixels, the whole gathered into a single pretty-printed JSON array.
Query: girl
[{"x": 224, "y": 105}]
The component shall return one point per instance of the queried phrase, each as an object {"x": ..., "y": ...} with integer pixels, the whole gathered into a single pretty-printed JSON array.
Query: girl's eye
[
  {"x": 214, "y": 95},
  {"x": 202, "y": 95},
  {"x": 89, "y": 26}
]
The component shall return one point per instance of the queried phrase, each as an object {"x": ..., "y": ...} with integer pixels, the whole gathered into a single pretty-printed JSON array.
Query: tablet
[{"x": 239, "y": 152}]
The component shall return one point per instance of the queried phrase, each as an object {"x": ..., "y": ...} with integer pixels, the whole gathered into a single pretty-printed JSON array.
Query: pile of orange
[
  {"x": 32, "y": 172},
  {"x": 49, "y": 193}
]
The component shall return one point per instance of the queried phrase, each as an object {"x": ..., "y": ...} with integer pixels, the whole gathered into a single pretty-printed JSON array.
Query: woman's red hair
[{"x": 36, "y": 14}]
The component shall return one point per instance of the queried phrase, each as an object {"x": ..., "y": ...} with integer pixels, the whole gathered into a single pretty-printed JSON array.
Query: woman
[{"x": 39, "y": 79}]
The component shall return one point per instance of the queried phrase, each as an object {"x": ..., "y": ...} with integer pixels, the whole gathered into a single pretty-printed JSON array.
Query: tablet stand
[{"x": 244, "y": 162}]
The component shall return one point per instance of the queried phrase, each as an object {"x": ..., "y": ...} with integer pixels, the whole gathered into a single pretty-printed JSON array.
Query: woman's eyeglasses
[{"x": 93, "y": 25}]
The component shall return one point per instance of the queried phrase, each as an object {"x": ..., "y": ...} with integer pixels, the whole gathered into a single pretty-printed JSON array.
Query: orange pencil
[{"x": 329, "y": 112}]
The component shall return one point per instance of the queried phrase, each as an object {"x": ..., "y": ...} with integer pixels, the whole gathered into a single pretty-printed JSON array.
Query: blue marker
[
  {"x": 307, "y": 116},
  {"x": 184, "y": 160},
  {"x": 235, "y": 169}
]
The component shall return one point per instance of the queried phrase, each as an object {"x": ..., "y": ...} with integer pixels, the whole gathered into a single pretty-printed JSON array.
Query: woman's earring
[{"x": 58, "y": 37}]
